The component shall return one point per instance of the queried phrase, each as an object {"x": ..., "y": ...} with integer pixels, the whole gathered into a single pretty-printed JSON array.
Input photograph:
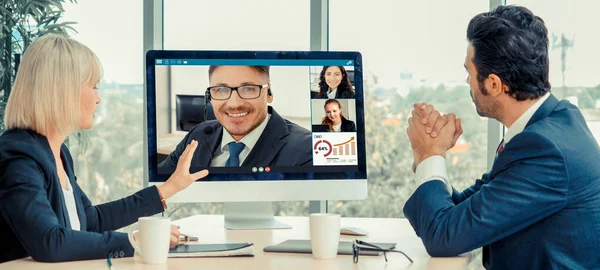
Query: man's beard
[{"x": 485, "y": 106}]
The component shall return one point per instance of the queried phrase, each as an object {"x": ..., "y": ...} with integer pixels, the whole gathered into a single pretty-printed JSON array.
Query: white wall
[
  {"x": 162, "y": 101},
  {"x": 186, "y": 80}
]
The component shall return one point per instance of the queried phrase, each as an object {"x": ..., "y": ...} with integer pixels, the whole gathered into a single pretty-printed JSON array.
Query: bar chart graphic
[
  {"x": 334, "y": 148},
  {"x": 345, "y": 148}
]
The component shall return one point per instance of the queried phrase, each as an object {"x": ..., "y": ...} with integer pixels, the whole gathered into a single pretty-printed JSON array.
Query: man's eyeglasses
[
  {"x": 359, "y": 245},
  {"x": 246, "y": 91}
]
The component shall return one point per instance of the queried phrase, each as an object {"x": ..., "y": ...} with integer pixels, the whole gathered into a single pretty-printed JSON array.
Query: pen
[
  {"x": 188, "y": 238},
  {"x": 109, "y": 262}
]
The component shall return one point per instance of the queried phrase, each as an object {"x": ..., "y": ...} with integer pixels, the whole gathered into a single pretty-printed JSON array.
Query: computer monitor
[{"x": 262, "y": 98}]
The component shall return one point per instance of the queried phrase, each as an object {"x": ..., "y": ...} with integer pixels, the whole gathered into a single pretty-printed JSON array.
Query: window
[
  {"x": 108, "y": 158},
  {"x": 573, "y": 52},
  {"x": 237, "y": 25},
  {"x": 413, "y": 51}
]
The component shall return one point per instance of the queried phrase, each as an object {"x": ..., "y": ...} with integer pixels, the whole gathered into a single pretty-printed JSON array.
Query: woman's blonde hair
[{"x": 47, "y": 90}]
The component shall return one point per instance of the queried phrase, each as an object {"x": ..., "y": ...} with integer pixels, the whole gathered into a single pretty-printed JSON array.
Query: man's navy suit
[
  {"x": 282, "y": 143},
  {"x": 538, "y": 207}
]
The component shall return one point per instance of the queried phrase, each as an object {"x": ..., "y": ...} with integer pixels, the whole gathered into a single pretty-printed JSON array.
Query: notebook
[
  {"x": 212, "y": 250},
  {"x": 303, "y": 246}
]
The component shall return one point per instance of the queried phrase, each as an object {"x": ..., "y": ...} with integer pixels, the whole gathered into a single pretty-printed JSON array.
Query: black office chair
[{"x": 190, "y": 111}]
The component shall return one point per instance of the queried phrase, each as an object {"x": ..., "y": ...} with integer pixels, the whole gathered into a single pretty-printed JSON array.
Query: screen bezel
[{"x": 151, "y": 56}]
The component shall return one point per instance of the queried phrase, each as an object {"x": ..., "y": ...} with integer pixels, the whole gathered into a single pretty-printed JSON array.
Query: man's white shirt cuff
[{"x": 433, "y": 168}]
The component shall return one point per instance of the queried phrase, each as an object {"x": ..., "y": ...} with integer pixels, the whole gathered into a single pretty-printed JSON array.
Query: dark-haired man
[
  {"x": 539, "y": 205},
  {"x": 248, "y": 132}
]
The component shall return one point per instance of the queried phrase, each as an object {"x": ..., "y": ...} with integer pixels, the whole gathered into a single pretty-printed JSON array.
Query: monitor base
[{"x": 251, "y": 216}]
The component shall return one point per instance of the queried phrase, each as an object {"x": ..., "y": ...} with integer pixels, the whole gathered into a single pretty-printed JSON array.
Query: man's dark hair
[
  {"x": 263, "y": 70},
  {"x": 512, "y": 43}
]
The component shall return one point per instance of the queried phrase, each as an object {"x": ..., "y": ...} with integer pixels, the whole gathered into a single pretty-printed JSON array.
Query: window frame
[{"x": 153, "y": 39}]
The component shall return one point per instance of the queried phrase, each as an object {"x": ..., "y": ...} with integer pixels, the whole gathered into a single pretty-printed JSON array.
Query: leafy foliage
[
  {"x": 108, "y": 158},
  {"x": 389, "y": 162},
  {"x": 21, "y": 22}
]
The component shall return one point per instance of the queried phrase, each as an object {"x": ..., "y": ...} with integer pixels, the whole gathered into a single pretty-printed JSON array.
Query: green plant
[{"x": 21, "y": 22}]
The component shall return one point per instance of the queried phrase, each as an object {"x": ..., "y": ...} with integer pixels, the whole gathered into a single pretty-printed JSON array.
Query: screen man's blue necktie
[{"x": 235, "y": 148}]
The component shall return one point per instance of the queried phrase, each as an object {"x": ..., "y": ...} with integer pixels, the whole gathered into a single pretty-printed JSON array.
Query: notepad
[{"x": 212, "y": 250}]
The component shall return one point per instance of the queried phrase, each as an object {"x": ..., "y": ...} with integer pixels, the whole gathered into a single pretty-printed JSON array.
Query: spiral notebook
[{"x": 212, "y": 250}]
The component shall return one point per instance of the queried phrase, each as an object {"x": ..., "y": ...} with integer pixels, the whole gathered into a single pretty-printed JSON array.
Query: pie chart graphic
[{"x": 323, "y": 146}]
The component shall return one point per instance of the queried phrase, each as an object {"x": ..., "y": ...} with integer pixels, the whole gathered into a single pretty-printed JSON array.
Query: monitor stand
[{"x": 251, "y": 216}]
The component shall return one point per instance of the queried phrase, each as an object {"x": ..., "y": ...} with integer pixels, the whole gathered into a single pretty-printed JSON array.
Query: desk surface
[
  {"x": 209, "y": 229},
  {"x": 167, "y": 143}
]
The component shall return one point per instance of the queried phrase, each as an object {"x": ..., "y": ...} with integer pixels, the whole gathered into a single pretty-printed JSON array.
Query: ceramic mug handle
[{"x": 131, "y": 241}]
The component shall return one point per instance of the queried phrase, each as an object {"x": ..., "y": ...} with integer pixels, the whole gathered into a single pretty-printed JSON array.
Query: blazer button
[
  {"x": 110, "y": 255},
  {"x": 122, "y": 254}
]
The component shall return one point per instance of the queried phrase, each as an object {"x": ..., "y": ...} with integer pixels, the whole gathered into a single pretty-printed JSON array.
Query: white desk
[
  {"x": 167, "y": 143},
  {"x": 210, "y": 229}
]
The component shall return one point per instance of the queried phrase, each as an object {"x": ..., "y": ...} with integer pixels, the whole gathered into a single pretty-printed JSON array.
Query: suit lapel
[
  {"x": 76, "y": 194},
  {"x": 544, "y": 110},
  {"x": 63, "y": 203},
  {"x": 213, "y": 141},
  {"x": 71, "y": 175},
  {"x": 270, "y": 141},
  {"x": 61, "y": 196}
]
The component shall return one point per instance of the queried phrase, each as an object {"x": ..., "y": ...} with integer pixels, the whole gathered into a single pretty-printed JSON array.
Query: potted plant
[{"x": 22, "y": 21}]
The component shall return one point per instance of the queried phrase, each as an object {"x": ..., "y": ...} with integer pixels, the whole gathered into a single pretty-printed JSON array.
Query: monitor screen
[{"x": 277, "y": 115}]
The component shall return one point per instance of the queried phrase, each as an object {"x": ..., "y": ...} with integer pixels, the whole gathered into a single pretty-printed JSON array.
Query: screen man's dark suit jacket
[
  {"x": 538, "y": 207},
  {"x": 34, "y": 220},
  {"x": 282, "y": 143}
]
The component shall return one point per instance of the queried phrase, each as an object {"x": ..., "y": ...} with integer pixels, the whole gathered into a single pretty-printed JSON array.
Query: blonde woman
[{"x": 43, "y": 211}]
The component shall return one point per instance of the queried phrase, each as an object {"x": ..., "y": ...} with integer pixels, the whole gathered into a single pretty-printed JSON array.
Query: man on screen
[{"x": 248, "y": 132}]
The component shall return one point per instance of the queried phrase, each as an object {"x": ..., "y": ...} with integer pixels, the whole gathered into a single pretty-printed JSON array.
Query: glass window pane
[
  {"x": 413, "y": 51},
  {"x": 109, "y": 157},
  {"x": 237, "y": 25},
  {"x": 574, "y": 67}
]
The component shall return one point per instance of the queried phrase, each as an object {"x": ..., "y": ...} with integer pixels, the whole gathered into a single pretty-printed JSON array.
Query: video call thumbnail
[{"x": 333, "y": 115}]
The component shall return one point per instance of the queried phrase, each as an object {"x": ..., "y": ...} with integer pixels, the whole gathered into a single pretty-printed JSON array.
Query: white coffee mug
[
  {"x": 324, "y": 235},
  {"x": 154, "y": 236}
]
